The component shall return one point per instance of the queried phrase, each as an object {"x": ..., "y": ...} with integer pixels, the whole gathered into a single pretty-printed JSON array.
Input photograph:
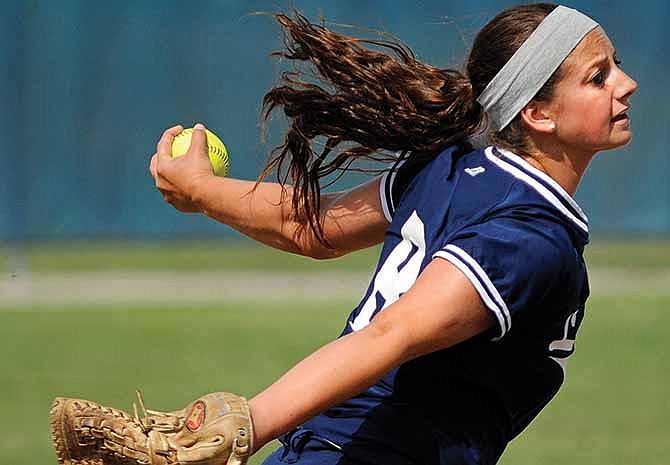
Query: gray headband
[{"x": 533, "y": 64}]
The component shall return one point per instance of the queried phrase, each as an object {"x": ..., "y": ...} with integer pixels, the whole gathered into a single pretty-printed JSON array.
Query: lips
[{"x": 622, "y": 116}]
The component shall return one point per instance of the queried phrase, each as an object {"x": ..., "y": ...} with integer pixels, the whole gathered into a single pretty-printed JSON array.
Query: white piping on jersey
[
  {"x": 387, "y": 195},
  {"x": 479, "y": 280},
  {"x": 542, "y": 190},
  {"x": 547, "y": 179},
  {"x": 382, "y": 197}
]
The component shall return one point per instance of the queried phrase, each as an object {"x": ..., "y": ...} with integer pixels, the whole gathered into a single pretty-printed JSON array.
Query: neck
[{"x": 563, "y": 166}]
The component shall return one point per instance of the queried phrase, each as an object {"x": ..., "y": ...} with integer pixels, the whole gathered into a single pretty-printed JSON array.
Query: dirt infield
[
  {"x": 159, "y": 287},
  {"x": 42, "y": 290}
]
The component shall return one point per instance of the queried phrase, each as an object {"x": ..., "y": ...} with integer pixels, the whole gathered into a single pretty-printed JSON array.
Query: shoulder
[
  {"x": 427, "y": 173},
  {"x": 497, "y": 183},
  {"x": 514, "y": 264},
  {"x": 531, "y": 187},
  {"x": 509, "y": 243},
  {"x": 495, "y": 198}
]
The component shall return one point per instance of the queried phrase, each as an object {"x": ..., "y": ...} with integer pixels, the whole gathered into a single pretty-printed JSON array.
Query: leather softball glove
[{"x": 215, "y": 429}]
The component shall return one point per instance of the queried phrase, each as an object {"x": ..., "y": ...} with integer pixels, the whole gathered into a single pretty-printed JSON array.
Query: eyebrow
[{"x": 600, "y": 59}]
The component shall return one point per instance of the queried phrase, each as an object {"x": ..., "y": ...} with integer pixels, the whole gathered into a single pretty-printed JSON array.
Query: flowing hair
[{"x": 369, "y": 98}]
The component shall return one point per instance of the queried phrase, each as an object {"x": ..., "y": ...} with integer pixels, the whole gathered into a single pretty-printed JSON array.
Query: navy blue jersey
[{"x": 519, "y": 238}]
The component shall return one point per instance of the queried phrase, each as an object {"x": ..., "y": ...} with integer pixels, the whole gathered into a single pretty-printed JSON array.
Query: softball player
[{"x": 465, "y": 329}]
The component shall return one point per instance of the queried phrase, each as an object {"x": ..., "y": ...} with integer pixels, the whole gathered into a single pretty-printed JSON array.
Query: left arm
[{"x": 440, "y": 310}]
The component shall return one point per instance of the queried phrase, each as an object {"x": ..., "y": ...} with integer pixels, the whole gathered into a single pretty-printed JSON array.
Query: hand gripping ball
[{"x": 218, "y": 156}]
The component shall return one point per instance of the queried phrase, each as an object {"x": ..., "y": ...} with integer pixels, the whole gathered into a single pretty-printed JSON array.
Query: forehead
[{"x": 594, "y": 45}]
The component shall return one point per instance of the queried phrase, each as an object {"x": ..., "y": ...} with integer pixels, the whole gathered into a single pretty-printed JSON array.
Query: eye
[{"x": 599, "y": 78}]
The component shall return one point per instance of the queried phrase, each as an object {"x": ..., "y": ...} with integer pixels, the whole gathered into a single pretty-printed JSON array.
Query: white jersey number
[
  {"x": 393, "y": 278},
  {"x": 562, "y": 349}
]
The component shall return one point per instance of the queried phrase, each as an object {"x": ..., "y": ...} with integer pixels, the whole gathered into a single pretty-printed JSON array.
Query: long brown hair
[{"x": 372, "y": 97}]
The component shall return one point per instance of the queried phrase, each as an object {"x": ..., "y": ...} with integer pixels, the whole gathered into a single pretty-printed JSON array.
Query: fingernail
[{"x": 199, "y": 127}]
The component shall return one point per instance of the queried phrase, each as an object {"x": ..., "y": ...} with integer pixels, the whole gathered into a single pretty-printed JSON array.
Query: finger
[
  {"x": 164, "y": 146},
  {"x": 167, "y": 196},
  {"x": 163, "y": 184},
  {"x": 184, "y": 207},
  {"x": 199, "y": 140},
  {"x": 153, "y": 166},
  {"x": 160, "y": 181},
  {"x": 177, "y": 203}
]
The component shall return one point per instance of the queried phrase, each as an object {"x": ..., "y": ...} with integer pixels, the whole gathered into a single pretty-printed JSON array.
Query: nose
[{"x": 626, "y": 87}]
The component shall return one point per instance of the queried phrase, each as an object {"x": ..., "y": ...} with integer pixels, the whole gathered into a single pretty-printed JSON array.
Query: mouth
[{"x": 623, "y": 117}]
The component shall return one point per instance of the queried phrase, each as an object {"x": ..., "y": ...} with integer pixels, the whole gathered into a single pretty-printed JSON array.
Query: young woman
[{"x": 464, "y": 332}]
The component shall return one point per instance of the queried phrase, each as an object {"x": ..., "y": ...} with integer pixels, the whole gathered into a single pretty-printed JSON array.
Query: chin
[
  {"x": 625, "y": 140},
  {"x": 612, "y": 146},
  {"x": 621, "y": 139}
]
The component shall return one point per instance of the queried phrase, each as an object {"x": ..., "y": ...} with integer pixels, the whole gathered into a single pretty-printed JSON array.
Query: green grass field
[
  {"x": 612, "y": 410},
  {"x": 241, "y": 254}
]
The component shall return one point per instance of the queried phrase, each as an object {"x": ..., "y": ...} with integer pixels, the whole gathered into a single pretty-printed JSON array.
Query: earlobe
[{"x": 537, "y": 118}]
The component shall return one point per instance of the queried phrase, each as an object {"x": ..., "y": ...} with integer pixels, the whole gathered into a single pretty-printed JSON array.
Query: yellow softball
[{"x": 218, "y": 156}]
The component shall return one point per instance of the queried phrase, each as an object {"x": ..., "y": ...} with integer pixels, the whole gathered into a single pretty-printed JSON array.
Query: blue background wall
[{"x": 87, "y": 87}]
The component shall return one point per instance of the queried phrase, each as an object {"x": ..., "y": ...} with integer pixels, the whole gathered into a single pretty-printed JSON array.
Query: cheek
[{"x": 587, "y": 119}]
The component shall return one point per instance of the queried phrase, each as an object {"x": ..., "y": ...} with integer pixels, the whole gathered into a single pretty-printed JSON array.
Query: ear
[{"x": 538, "y": 117}]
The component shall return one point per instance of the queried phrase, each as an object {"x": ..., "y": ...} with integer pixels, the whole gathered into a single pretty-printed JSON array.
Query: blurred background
[
  {"x": 104, "y": 287},
  {"x": 88, "y": 87}
]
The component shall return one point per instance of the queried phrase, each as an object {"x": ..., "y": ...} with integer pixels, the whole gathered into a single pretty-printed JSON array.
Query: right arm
[{"x": 351, "y": 220}]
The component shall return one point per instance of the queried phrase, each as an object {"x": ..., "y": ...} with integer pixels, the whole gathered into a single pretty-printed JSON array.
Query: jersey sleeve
[{"x": 512, "y": 264}]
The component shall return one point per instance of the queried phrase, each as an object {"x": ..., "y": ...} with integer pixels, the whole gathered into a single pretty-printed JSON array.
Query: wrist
[
  {"x": 201, "y": 191},
  {"x": 261, "y": 433}
]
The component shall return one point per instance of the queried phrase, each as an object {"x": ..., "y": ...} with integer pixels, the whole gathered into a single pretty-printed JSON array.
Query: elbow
[
  {"x": 407, "y": 341},
  {"x": 323, "y": 252},
  {"x": 309, "y": 245},
  {"x": 393, "y": 336}
]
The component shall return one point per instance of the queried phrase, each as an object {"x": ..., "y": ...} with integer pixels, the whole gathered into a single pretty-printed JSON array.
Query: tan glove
[{"x": 213, "y": 430}]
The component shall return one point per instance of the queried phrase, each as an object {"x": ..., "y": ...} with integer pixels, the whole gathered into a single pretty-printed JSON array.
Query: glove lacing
[{"x": 153, "y": 420}]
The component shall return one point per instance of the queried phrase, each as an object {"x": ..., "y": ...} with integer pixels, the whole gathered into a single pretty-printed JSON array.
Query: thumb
[{"x": 198, "y": 140}]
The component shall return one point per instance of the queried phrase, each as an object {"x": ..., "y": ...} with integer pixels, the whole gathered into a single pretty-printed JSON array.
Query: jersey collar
[{"x": 541, "y": 182}]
